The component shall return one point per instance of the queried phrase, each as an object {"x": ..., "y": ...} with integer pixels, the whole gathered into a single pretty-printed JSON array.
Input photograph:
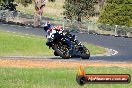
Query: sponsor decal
[{"x": 83, "y": 78}]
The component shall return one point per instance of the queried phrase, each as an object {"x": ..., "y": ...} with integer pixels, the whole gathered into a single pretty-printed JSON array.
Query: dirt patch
[{"x": 45, "y": 63}]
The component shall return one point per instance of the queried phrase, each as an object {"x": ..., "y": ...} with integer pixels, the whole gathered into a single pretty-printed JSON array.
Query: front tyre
[
  {"x": 62, "y": 51},
  {"x": 85, "y": 54},
  {"x": 56, "y": 54}
]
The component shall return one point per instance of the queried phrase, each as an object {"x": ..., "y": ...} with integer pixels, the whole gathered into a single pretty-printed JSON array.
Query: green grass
[
  {"x": 95, "y": 49},
  {"x": 12, "y": 44},
  {"x": 55, "y": 78},
  {"x": 19, "y": 45}
]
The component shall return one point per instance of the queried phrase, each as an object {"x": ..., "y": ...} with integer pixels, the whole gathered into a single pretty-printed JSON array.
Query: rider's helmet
[{"x": 47, "y": 25}]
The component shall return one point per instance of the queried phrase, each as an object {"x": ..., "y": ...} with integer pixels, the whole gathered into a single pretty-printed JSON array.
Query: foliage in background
[
  {"x": 117, "y": 12},
  {"x": 9, "y": 4},
  {"x": 24, "y": 2},
  {"x": 51, "y": 10},
  {"x": 51, "y": 0},
  {"x": 76, "y": 9}
]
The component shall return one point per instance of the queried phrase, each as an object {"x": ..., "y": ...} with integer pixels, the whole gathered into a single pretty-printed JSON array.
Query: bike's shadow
[{"x": 59, "y": 58}]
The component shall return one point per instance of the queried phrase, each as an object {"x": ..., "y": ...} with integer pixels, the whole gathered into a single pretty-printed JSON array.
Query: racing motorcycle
[{"x": 66, "y": 46}]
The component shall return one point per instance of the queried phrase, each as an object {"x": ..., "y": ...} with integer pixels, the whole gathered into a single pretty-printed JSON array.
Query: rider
[{"x": 50, "y": 29}]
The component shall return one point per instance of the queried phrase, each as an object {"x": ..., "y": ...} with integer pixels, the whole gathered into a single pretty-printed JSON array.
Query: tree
[
  {"x": 116, "y": 12},
  {"x": 8, "y": 4},
  {"x": 51, "y": 0},
  {"x": 24, "y": 2},
  {"x": 39, "y": 5},
  {"x": 77, "y": 9}
]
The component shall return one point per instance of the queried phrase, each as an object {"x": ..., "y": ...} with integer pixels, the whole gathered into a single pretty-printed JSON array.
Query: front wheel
[
  {"x": 56, "y": 54},
  {"x": 62, "y": 50},
  {"x": 85, "y": 54}
]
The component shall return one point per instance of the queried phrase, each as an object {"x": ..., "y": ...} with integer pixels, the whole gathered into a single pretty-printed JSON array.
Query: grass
[
  {"x": 95, "y": 49},
  {"x": 19, "y": 45},
  {"x": 55, "y": 78},
  {"x": 27, "y": 45}
]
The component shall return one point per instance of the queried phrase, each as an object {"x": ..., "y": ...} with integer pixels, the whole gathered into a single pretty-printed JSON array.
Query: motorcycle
[{"x": 66, "y": 46}]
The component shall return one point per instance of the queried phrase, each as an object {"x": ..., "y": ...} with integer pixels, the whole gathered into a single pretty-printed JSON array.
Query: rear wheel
[{"x": 62, "y": 50}]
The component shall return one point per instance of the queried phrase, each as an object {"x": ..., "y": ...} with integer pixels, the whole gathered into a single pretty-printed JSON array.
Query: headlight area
[{"x": 52, "y": 36}]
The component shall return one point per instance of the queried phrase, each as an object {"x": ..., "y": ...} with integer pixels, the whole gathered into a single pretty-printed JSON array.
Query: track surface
[{"x": 122, "y": 45}]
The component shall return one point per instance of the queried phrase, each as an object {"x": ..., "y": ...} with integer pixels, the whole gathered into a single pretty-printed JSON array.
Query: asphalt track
[{"x": 120, "y": 44}]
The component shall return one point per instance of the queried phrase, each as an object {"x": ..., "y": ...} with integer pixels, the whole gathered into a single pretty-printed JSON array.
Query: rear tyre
[{"x": 62, "y": 51}]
